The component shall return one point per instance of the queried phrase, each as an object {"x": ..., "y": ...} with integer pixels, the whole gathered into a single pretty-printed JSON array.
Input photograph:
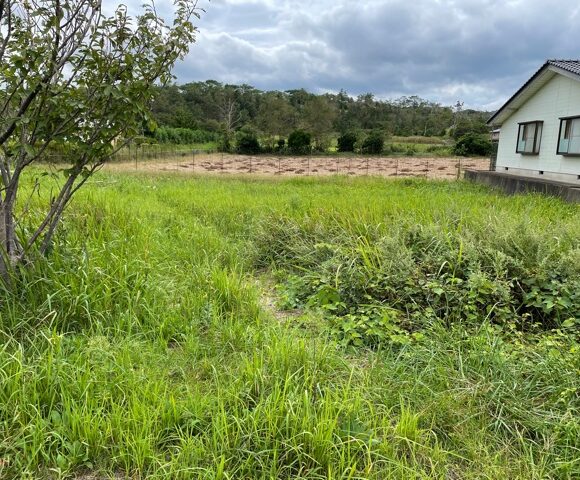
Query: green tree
[
  {"x": 71, "y": 76},
  {"x": 467, "y": 125},
  {"x": 367, "y": 112},
  {"x": 344, "y": 122},
  {"x": 275, "y": 113},
  {"x": 318, "y": 118},
  {"x": 276, "y": 117},
  {"x": 473, "y": 144},
  {"x": 171, "y": 110}
]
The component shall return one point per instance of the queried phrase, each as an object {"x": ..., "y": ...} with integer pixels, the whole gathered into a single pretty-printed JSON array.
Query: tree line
[{"x": 212, "y": 111}]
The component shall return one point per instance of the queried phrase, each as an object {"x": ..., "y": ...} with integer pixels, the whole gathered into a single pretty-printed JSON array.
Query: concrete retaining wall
[{"x": 513, "y": 184}]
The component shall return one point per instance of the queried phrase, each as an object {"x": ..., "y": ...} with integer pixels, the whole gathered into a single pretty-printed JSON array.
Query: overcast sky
[{"x": 477, "y": 51}]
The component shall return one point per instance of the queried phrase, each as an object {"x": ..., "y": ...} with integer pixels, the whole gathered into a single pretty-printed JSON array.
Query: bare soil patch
[{"x": 427, "y": 167}]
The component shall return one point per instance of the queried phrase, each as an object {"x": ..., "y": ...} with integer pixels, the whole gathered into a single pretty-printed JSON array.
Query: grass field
[{"x": 233, "y": 328}]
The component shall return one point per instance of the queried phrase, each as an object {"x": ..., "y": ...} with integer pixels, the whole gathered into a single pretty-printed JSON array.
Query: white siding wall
[{"x": 560, "y": 97}]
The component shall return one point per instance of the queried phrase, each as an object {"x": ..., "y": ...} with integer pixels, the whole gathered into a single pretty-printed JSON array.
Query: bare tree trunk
[
  {"x": 55, "y": 215},
  {"x": 4, "y": 255},
  {"x": 230, "y": 115},
  {"x": 9, "y": 245}
]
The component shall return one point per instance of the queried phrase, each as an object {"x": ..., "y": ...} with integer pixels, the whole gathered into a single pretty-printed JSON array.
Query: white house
[{"x": 540, "y": 125}]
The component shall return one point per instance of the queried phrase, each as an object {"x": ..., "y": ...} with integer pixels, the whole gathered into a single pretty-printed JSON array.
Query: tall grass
[{"x": 144, "y": 346}]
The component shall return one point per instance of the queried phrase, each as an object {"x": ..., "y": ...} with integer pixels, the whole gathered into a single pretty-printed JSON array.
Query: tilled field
[{"x": 429, "y": 167}]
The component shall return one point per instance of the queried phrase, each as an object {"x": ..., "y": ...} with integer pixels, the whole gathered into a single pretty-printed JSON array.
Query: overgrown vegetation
[
  {"x": 184, "y": 136},
  {"x": 374, "y": 284},
  {"x": 433, "y": 333}
]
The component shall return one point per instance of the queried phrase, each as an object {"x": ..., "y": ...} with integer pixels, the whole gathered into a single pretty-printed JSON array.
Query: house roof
[
  {"x": 568, "y": 68},
  {"x": 572, "y": 66}
]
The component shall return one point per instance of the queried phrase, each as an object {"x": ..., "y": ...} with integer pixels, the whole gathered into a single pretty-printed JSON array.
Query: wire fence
[{"x": 195, "y": 161}]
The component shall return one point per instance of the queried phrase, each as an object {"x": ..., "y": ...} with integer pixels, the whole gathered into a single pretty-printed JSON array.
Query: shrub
[
  {"x": 225, "y": 143},
  {"x": 247, "y": 142},
  {"x": 430, "y": 275},
  {"x": 473, "y": 144},
  {"x": 374, "y": 143},
  {"x": 299, "y": 142},
  {"x": 347, "y": 142}
]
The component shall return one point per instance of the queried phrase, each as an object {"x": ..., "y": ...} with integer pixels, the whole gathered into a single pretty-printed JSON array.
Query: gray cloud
[{"x": 478, "y": 51}]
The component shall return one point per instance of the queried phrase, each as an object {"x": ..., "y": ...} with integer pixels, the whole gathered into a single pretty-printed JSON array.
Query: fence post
[
  {"x": 250, "y": 164},
  {"x": 367, "y": 166},
  {"x": 279, "y": 164},
  {"x": 459, "y": 169},
  {"x": 222, "y": 162},
  {"x": 397, "y": 167},
  {"x": 427, "y": 169}
]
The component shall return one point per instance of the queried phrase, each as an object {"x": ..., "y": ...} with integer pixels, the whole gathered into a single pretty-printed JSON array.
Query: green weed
[{"x": 141, "y": 348}]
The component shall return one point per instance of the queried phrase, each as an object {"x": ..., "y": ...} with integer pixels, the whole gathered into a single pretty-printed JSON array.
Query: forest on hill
[{"x": 244, "y": 117}]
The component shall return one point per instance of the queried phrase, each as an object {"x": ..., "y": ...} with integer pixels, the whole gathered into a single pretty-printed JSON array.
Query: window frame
[
  {"x": 537, "y": 141},
  {"x": 562, "y": 120}
]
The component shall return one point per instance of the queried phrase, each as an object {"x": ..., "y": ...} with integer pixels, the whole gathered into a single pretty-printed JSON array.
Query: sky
[{"x": 476, "y": 51}]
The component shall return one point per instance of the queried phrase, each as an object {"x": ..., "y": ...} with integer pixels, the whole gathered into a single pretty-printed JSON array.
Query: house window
[
  {"x": 569, "y": 139},
  {"x": 530, "y": 138}
]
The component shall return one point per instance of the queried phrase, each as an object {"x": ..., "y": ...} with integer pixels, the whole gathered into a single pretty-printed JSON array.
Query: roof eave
[
  {"x": 506, "y": 111},
  {"x": 492, "y": 120}
]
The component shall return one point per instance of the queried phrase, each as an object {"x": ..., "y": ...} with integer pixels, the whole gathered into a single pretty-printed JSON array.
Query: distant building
[{"x": 540, "y": 125}]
